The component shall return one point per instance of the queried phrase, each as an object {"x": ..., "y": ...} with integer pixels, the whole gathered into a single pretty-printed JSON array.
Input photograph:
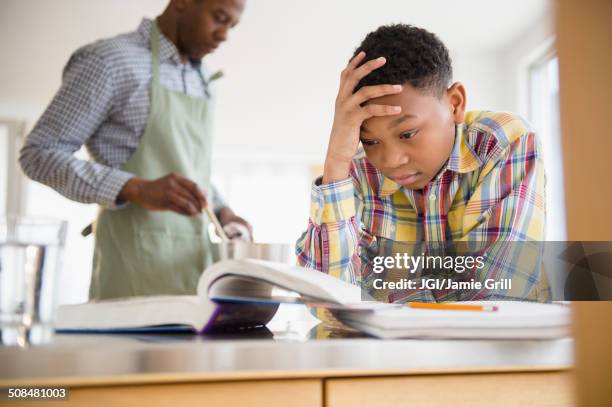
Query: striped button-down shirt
[
  {"x": 103, "y": 103},
  {"x": 491, "y": 190}
]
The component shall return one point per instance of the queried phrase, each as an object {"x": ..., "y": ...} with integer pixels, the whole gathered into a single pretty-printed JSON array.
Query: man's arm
[{"x": 82, "y": 104}]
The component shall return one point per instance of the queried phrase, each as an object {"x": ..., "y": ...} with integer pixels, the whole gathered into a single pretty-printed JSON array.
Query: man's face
[
  {"x": 412, "y": 146},
  {"x": 204, "y": 24}
]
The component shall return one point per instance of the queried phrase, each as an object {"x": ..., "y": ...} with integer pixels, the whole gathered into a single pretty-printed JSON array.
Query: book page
[
  {"x": 307, "y": 282},
  {"x": 134, "y": 312}
]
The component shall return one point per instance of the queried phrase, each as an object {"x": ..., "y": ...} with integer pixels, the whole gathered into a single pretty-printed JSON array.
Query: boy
[{"x": 429, "y": 172}]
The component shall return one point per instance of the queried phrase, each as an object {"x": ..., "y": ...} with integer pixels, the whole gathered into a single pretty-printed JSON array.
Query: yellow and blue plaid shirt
[{"x": 490, "y": 190}]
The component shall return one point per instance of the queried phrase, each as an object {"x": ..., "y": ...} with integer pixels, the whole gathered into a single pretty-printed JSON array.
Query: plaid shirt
[
  {"x": 103, "y": 103},
  {"x": 490, "y": 190}
]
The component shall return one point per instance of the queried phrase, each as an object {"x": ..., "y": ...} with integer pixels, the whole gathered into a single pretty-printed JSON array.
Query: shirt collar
[
  {"x": 462, "y": 159},
  {"x": 167, "y": 50}
]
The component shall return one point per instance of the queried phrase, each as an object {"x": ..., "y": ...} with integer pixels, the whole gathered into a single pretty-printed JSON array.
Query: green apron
[{"x": 140, "y": 252}]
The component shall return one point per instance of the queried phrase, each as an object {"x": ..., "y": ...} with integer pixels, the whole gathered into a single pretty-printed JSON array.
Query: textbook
[{"x": 230, "y": 294}]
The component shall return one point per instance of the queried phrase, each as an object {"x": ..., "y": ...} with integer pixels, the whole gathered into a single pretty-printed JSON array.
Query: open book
[
  {"x": 246, "y": 293},
  {"x": 231, "y": 293}
]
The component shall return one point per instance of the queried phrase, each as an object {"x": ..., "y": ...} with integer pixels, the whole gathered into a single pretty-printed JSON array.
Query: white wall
[
  {"x": 38, "y": 36},
  {"x": 275, "y": 103},
  {"x": 482, "y": 74},
  {"x": 4, "y": 134},
  {"x": 281, "y": 64}
]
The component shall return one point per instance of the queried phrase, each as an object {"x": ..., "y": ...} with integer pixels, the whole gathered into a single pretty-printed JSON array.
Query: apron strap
[{"x": 155, "y": 55}]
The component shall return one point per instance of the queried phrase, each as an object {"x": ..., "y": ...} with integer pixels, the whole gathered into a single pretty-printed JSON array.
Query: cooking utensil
[{"x": 215, "y": 221}]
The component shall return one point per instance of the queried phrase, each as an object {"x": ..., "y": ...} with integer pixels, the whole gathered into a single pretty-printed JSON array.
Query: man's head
[
  {"x": 202, "y": 25},
  {"x": 413, "y": 146}
]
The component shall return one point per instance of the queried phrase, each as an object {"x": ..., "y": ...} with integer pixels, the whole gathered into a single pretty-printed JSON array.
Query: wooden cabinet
[
  {"x": 540, "y": 389},
  {"x": 525, "y": 389},
  {"x": 268, "y": 393}
]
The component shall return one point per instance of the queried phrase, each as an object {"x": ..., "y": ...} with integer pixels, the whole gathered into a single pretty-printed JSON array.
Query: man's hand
[
  {"x": 169, "y": 193},
  {"x": 226, "y": 215},
  {"x": 350, "y": 114}
]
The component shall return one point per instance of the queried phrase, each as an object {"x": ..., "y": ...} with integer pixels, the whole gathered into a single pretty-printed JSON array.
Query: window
[
  {"x": 544, "y": 115},
  {"x": 11, "y": 177},
  {"x": 3, "y": 167}
]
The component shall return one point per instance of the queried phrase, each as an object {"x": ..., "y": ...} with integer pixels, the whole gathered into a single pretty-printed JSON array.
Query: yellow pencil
[{"x": 452, "y": 307}]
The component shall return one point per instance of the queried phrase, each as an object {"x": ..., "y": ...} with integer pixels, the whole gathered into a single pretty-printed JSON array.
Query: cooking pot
[{"x": 239, "y": 249}]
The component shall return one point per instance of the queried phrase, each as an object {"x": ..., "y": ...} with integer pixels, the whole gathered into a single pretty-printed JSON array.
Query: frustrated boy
[{"x": 428, "y": 171}]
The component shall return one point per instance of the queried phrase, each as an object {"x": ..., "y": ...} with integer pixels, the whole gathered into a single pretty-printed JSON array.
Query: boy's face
[{"x": 412, "y": 146}]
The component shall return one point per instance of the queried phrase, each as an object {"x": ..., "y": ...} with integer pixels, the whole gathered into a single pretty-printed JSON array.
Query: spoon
[{"x": 215, "y": 221}]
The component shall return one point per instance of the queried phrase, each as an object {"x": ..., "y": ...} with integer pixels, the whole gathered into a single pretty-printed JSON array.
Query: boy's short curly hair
[{"x": 414, "y": 55}]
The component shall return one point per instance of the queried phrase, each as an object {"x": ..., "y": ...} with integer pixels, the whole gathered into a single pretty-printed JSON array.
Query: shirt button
[{"x": 432, "y": 197}]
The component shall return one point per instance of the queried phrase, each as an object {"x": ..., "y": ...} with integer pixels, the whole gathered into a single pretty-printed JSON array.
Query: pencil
[{"x": 452, "y": 307}]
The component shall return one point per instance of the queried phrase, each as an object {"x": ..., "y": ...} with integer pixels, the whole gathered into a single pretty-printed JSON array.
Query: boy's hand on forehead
[{"x": 351, "y": 112}]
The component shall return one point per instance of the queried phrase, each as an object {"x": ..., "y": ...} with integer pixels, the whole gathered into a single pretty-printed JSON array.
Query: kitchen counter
[{"x": 289, "y": 352}]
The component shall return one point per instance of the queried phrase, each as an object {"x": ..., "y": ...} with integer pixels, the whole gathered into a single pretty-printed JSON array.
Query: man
[
  {"x": 141, "y": 104},
  {"x": 429, "y": 175}
]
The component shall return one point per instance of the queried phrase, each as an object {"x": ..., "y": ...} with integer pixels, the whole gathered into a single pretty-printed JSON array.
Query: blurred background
[{"x": 275, "y": 102}]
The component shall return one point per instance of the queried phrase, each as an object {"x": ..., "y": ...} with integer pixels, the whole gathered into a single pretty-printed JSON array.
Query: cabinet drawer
[
  {"x": 495, "y": 389},
  {"x": 267, "y": 393}
]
